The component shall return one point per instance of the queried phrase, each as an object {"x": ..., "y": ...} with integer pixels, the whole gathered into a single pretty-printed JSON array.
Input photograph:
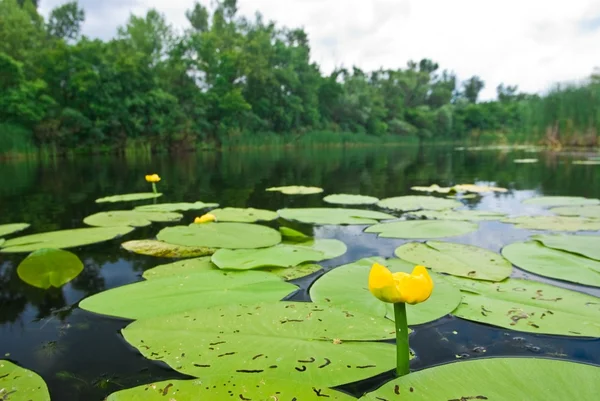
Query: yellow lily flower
[
  {"x": 153, "y": 178},
  {"x": 399, "y": 287},
  {"x": 207, "y": 218}
]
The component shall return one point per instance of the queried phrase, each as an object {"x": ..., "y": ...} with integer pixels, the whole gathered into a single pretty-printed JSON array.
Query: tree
[
  {"x": 198, "y": 17},
  {"x": 65, "y": 21},
  {"x": 472, "y": 87}
]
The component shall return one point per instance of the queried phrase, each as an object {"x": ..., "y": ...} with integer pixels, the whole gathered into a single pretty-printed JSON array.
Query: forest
[{"x": 227, "y": 81}]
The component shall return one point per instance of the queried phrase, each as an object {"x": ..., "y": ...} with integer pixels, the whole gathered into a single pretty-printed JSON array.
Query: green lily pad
[
  {"x": 235, "y": 387},
  {"x": 554, "y": 223},
  {"x": 291, "y": 235},
  {"x": 184, "y": 292},
  {"x": 281, "y": 255},
  {"x": 586, "y": 245},
  {"x": 422, "y": 229},
  {"x": 18, "y": 384},
  {"x": 551, "y": 201},
  {"x": 588, "y": 212},
  {"x": 294, "y": 272},
  {"x": 2, "y": 240},
  {"x": 238, "y": 215},
  {"x": 457, "y": 259},
  {"x": 176, "y": 207},
  {"x": 529, "y": 306},
  {"x": 587, "y": 162},
  {"x": 7, "y": 229},
  {"x": 296, "y": 190},
  {"x": 478, "y": 189},
  {"x": 334, "y": 216},
  {"x": 410, "y": 203},
  {"x": 295, "y": 341},
  {"x": 347, "y": 287},
  {"x": 536, "y": 258},
  {"x": 495, "y": 379},
  {"x": 221, "y": 235},
  {"x": 64, "y": 239},
  {"x": 346, "y": 199},
  {"x": 458, "y": 215},
  {"x": 164, "y": 250},
  {"x": 124, "y": 218},
  {"x": 47, "y": 268},
  {"x": 525, "y": 161},
  {"x": 128, "y": 197}
]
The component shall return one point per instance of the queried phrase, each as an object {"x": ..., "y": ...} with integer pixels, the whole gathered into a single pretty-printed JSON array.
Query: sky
[{"x": 529, "y": 43}]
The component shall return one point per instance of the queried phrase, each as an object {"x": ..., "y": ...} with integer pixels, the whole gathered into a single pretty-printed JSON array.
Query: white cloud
[{"x": 531, "y": 43}]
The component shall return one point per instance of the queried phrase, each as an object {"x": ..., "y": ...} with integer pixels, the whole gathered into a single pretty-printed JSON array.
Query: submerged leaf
[
  {"x": 346, "y": 199},
  {"x": 459, "y": 215},
  {"x": 554, "y": 223},
  {"x": 164, "y": 250},
  {"x": 316, "y": 344},
  {"x": 296, "y": 190},
  {"x": 334, "y": 216},
  {"x": 18, "y": 384},
  {"x": 176, "y": 207},
  {"x": 124, "y": 218},
  {"x": 47, "y": 268},
  {"x": 422, "y": 229},
  {"x": 249, "y": 215},
  {"x": 410, "y": 203},
  {"x": 550, "y": 201},
  {"x": 586, "y": 245},
  {"x": 7, "y": 229},
  {"x": 221, "y": 235},
  {"x": 128, "y": 197}
]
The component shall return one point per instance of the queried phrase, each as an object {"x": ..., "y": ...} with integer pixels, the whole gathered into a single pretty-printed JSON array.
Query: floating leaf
[
  {"x": 184, "y": 292},
  {"x": 525, "y": 161},
  {"x": 550, "y": 201},
  {"x": 2, "y": 240},
  {"x": 236, "y": 387},
  {"x": 548, "y": 262},
  {"x": 495, "y": 379},
  {"x": 554, "y": 223},
  {"x": 176, "y": 207},
  {"x": 422, "y": 229},
  {"x": 587, "y": 162},
  {"x": 315, "y": 344},
  {"x": 347, "y": 287},
  {"x": 294, "y": 272},
  {"x": 433, "y": 188},
  {"x": 221, "y": 235},
  {"x": 296, "y": 190},
  {"x": 478, "y": 189},
  {"x": 47, "y": 268},
  {"x": 282, "y": 255},
  {"x": 238, "y": 215},
  {"x": 410, "y": 203},
  {"x": 180, "y": 268},
  {"x": 458, "y": 215},
  {"x": 18, "y": 384},
  {"x": 164, "y": 250},
  {"x": 457, "y": 259},
  {"x": 291, "y": 235},
  {"x": 529, "y": 306},
  {"x": 64, "y": 239},
  {"x": 334, "y": 216},
  {"x": 7, "y": 229},
  {"x": 586, "y": 245},
  {"x": 589, "y": 212},
  {"x": 346, "y": 199},
  {"x": 124, "y": 218},
  {"x": 128, "y": 197}
]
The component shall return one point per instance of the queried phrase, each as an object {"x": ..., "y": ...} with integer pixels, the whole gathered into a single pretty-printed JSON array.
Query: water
[{"x": 83, "y": 357}]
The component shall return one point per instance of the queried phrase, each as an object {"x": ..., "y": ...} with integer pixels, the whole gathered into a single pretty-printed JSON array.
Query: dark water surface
[{"x": 82, "y": 356}]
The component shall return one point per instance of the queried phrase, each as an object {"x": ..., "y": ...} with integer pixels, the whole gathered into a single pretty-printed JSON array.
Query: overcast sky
[{"x": 531, "y": 43}]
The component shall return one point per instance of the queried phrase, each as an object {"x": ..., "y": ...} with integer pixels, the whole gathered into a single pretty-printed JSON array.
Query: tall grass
[{"x": 16, "y": 141}]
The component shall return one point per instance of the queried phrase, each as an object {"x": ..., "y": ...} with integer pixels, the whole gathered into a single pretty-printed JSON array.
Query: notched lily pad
[
  {"x": 165, "y": 250},
  {"x": 411, "y": 203},
  {"x": 133, "y": 218},
  {"x": 176, "y": 207},
  {"x": 221, "y": 235},
  {"x": 129, "y": 197},
  {"x": 551, "y": 201},
  {"x": 347, "y": 199},
  {"x": 18, "y": 384},
  {"x": 554, "y": 223},
  {"x": 422, "y": 229},
  {"x": 47, "y": 268},
  {"x": 458, "y": 215},
  {"x": 334, "y": 216},
  {"x": 296, "y": 190},
  {"x": 7, "y": 229},
  {"x": 238, "y": 215}
]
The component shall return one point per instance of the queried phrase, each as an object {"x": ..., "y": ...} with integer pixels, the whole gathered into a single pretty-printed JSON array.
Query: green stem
[
  {"x": 402, "y": 349},
  {"x": 154, "y": 187}
]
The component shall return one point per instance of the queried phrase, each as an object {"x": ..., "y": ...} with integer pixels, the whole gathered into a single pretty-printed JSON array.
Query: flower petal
[
  {"x": 382, "y": 284},
  {"x": 415, "y": 287}
]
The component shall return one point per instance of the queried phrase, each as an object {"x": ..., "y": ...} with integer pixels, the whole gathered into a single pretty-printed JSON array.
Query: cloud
[{"x": 532, "y": 43}]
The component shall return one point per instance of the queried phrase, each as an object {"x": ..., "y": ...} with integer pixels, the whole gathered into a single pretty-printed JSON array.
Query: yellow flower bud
[
  {"x": 153, "y": 178},
  {"x": 398, "y": 287},
  {"x": 207, "y": 218}
]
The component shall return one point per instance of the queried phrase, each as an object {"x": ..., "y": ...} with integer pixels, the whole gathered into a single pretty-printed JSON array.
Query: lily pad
[
  {"x": 164, "y": 250},
  {"x": 346, "y": 199},
  {"x": 495, "y": 379},
  {"x": 291, "y": 235},
  {"x": 457, "y": 259},
  {"x": 296, "y": 190},
  {"x": 47, "y": 268},
  {"x": 238, "y": 215},
  {"x": 588, "y": 212},
  {"x": 236, "y": 387},
  {"x": 536, "y": 258},
  {"x": 128, "y": 197},
  {"x": 18, "y": 384},
  {"x": 422, "y": 229},
  {"x": 221, "y": 235},
  {"x": 587, "y": 162},
  {"x": 184, "y": 292},
  {"x": 64, "y": 239},
  {"x": 7, "y": 229},
  {"x": 525, "y": 161},
  {"x": 334, "y": 216},
  {"x": 347, "y": 287},
  {"x": 478, "y": 189},
  {"x": 133, "y": 218},
  {"x": 282, "y": 255},
  {"x": 459, "y": 215},
  {"x": 299, "y": 341},
  {"x": 411, "y": 203},
  {"x": 176, "y": 207},
  {"x": 2, "y": 240},
  {"x": 529, "y": 306},
  {"x": 554, "y": 223},
  {"x": 294, "y": 272},
  {"x": 551, "y": 201},
  {"x": 586, "y": 245}
]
